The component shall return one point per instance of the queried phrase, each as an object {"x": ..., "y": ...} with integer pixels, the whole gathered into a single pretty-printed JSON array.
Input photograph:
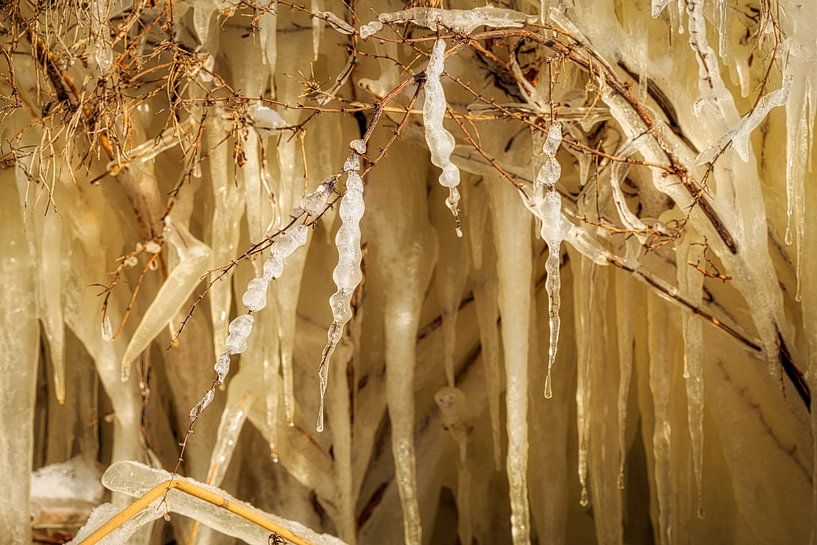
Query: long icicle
[
  {"x": 546, "y": 205},
  {"x": 347, "y": 274}
]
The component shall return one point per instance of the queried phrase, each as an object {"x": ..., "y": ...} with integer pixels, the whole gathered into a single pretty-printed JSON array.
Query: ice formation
[
  {"x": 176, "y": 190},
  {"x": 347, "y": 274},
  {"x": 546, "y": 205},
  {"x": 440, "y": 141}
]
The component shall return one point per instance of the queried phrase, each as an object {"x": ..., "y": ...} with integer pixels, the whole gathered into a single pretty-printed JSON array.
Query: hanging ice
[
  {"x": 440, "y": 141},
  {"x": 347, "y": 274},
  {"x": 546, "y": 205}
]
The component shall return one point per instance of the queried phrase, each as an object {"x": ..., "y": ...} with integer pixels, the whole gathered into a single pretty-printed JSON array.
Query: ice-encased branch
[
  {"x": 347, "y": 274},
  {"x": 440, "y": 142}
]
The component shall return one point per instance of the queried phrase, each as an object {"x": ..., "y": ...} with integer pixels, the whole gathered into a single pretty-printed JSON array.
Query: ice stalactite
[
  {"x": 625, "y": 332},
  {"x": 659, "y": 380},
  {"x": 440, "y": 141},
  {"x": 484, "y": 285},
  {"x": 47, "y": 225},
  {"x": 690, "y": 285},
  {"x": 603, "y": 460},
  {"x": 232, "y": 421},
  {"x": 19, "y": 344},
  {"x": 347, "y": 274},
  {"x": 193, "y": 262},
  {"x": 512, "y": 237},
  {"x": 800, "y": 112},
  {"x": 317, "y": 29},
  {"x": 228, "y": 208},
  {"x": 340, "y": 426},
  {"x": 449, "y": 278},
  {"x": 291, "y": 187},
  {"x": 546, "y": 205},
  {"x": 658, "y": 6},
  {"x": 404, "y": 251},
  {"x": 453, "y": 408},
  {"x": 584, "y": 299}
]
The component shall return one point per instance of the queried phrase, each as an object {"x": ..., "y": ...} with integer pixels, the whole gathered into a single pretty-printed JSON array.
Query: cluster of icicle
[{"x": 447, "y": 330}]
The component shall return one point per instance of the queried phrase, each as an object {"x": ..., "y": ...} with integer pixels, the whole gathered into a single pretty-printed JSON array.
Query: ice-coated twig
[
  {"x": 347, "y": 274},
  {"x": 460, "y": 20},
  {"x": 440, "y": 141},
  {"x": 546, "y": 205},
  {"x": 255, "y": 299},
  {"x": 739, "y": 136}
]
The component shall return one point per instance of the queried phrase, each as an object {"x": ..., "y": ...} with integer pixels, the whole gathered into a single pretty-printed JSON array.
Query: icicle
[
  {"x": 625, "y": 332},
  {"x": 440, "y": 141},
  {"x": 546, "y": 205},
  {"x": 659, "y": 378},
  {"x": 690, "y": 286},
  {"x": 483, "y": 255},
  {"x": 232, "y": 420},
  {"x": 404, "y": 252},
  {"x": 449, "y": 277},
  {"x": 19, "y": 345},
  {"x": 50, "y": 294},
  {"x": 584, "y": 299},
  {"x": 317, "y": 29},
  {"x": 194, "y": 259},
  {"x": 739, "y": 136},
  {"x": 226, "y": 225},
  {"x": 340, "y": 426},
  {"x": 658, "y": 6},
  {"x": 347, "y": 274},
  {"x": 514, "y": 267}
]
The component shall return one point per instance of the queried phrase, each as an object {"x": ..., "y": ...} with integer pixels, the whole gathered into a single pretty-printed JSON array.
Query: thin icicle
[
  {"x": 347, "y": 274},
  {"x": 483, "y": 255},
  {"x": 690, "y": 286},
  {"x": 739, "y": 136},
  {"x": 232, "y": 421},
  {"x": 515, "y": 267},
  {"x": 584, "y": 299},
  {"x": 625, "y": 331},
  {"x": 440, "y": 141},
  {"x": 546, "y": 205},
  {"x": 659, "y": 379}
]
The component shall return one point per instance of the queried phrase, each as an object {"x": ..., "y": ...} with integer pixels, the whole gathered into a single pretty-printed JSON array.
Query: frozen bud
[
  {"x": 131, "y": 261},
  {"x": 239, "y": 329},
  {"x": 316, "y": 202},
  {"x": 370, "y": 28},
  {"x": 273, "y": 268},
  {"x": 152, "y": 247},
  {"x": 341, "y": 309},
  {"x": 201, "y": 405},
  {"x": 107, "y": 330},
  {"x": 255, "y": 298},
  {"x": 450, "y": 176},
  {"x": 352, "y": 163},
  {"x": 222, "y": 367},
  {"x": 549, "y": 173},
  {"x": 359, "y": 146},
  {"x": 554, "y": 139},
  {"x": 267, "y": 118}
]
